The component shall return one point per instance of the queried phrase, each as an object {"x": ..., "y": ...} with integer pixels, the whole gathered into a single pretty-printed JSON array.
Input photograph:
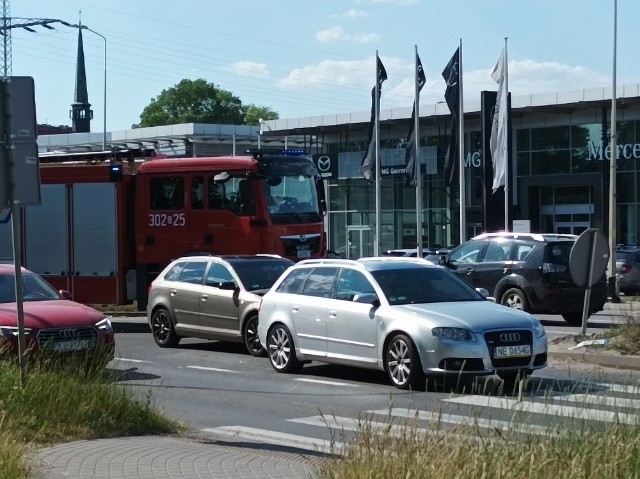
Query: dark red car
[{"x": 54, "y": 325}]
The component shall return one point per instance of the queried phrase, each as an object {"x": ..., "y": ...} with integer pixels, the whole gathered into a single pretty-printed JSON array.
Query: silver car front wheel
[
  {"x": 403, "y": 364},
  {"x": 281, "y": 350}
]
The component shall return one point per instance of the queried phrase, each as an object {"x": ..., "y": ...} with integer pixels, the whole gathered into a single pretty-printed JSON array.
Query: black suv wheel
[{"x": 515, "y": 298}]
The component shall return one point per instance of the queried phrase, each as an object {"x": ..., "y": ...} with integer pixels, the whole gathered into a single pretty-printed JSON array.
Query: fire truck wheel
[
  {"x": 162, "y": 329},
  {"x": 250, "y": 335}
]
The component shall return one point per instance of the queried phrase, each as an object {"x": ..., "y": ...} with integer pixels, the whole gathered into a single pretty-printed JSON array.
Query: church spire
[{"x": 81, "y": 113}]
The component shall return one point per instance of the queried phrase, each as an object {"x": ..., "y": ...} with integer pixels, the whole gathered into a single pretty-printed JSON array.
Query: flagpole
[
  {"x": 507, "y": 171},
  {"x": 376, "y": 130},
  {"x": 463, "y": 220},
  {"x": 416, "y": 163},
  {"x": 611, "y": 267}
]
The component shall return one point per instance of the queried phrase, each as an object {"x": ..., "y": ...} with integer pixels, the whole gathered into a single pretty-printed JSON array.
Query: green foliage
[
  {"x": 197, "y": 101},
  {"x": 64, "y": 402},
  {"x": 254, "y": 113}
]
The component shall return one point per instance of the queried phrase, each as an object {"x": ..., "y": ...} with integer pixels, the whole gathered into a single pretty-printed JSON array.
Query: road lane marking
[
  {"x": 546, "y": 408},
  {"x": 131, "y": 360},
  {"x": 218, "y": 370},
  {"x": 330, "y": 383},
  {"x": 278, "y": 438}
]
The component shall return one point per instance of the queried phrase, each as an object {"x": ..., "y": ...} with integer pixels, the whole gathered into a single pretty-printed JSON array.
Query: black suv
[{"x": 527, "y": 271}]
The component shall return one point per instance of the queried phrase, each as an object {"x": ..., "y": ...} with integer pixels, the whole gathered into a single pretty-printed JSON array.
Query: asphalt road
[{"x": 216, "y": 388}]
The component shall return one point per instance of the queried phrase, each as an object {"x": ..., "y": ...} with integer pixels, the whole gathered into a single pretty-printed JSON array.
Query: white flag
[{"x": 500, "y": 126}]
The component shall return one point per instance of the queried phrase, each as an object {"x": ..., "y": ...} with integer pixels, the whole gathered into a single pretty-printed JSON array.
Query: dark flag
[
  {"x": 410, "y": 151},
  {"x": 369, "y": 160},
  {"x": 451, "y": 75}
]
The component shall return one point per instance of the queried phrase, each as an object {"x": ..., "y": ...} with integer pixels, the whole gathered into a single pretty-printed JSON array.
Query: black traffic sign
[{"x": 589, "y": 258}]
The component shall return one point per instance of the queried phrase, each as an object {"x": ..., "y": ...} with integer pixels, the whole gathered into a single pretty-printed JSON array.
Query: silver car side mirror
[{"x": 368, "y": 298}]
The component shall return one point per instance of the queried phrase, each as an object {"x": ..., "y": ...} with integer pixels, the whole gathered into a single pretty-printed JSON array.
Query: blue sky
[{"x": 306, "y": 58}]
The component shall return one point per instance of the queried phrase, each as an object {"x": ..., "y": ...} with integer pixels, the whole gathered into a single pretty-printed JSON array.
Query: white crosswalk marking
[
  {"x": 618, "y": 388},
  {"x": 469, "y": 421},
  {"x": 595, "y": 400},
  {"x": 591, "y": 401},
  {"x": 546, "y": 408}
]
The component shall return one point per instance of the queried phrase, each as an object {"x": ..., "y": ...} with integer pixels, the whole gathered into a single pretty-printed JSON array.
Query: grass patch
[
  {"x": 625, "y": 338},
  {"x": 64, "y": 402},
  {"x": 116, "y": 308},
  {"x": 611, "y": 452}
]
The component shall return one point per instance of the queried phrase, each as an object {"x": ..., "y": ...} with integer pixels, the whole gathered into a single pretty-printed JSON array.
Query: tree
[
  {"x": 254, "y": 113},
  {"x": 197, "y": 101}
]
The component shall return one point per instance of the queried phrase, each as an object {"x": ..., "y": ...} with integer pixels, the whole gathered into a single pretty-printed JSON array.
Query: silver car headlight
[
  {"x": 538, "y": 329},
  {"x": 104, "y": 325},
  {"x": 456, "y": 334}
]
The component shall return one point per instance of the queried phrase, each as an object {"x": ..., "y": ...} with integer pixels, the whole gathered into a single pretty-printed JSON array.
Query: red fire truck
[{"x": 107, "y": 225}]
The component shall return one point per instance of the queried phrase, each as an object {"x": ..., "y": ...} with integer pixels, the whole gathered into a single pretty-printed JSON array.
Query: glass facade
[
  {"x": 559, "y": 183},
  {"x": 574, "y": 150}
]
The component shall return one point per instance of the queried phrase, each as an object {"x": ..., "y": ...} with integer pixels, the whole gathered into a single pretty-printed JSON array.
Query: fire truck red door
[{"x": 220, "y": 223}]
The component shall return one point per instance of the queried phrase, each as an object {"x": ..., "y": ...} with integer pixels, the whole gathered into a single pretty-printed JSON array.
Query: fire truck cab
[{"x": 109, "y": 223}]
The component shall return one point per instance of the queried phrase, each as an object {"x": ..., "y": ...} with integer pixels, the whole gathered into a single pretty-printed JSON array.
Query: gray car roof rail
[
  {"x": 338, "y": 261},
  {"x": 518, "y": 235},
  {"x": 394, "y": 259}
]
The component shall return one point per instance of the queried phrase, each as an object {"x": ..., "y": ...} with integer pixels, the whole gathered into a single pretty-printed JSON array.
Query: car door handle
[
  {"x": 295, "y": 309},
  {"x": 333, "y": 314},
  {"x": 468, "y": 270},
  {"x": 174, "y": 292},
  {"x": 204, "y": 297}
]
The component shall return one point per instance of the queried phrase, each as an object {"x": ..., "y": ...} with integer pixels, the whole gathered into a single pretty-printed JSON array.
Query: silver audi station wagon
[{"x": 405, "y": 316}]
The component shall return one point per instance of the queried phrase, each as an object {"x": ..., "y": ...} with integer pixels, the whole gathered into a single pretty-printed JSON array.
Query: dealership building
[{"x": 558, "y": 166}]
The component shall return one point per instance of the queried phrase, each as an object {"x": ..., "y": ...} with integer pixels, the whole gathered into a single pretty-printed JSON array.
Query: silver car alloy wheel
[
  {"x": 399, "y": 362},
  {"x": 279, "y": 345}
]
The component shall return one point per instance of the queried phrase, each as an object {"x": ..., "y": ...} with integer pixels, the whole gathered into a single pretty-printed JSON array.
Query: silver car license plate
[{"x": 512, "y": 351}]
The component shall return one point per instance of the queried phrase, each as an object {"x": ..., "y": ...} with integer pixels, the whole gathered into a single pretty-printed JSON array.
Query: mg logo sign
[{"x": 473, "y": 159}]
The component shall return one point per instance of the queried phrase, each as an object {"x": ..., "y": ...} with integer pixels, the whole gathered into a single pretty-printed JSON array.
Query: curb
[{"x": 627, "y": 362}]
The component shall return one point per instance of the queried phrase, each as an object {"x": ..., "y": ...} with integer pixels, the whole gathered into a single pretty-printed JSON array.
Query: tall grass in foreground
[
  {"x": 65, "y": 402},
  {"x": 610, "y": 454}
]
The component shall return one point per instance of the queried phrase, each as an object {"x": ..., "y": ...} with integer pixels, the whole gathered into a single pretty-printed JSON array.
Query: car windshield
[
  {"x": 34, "y": 288},
  {"x": 256, "y": 275},
  {"x": 423, "y": 285}
]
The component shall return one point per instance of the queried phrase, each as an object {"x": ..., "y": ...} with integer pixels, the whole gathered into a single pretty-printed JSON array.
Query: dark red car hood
[{"x": 50, "y": 314}]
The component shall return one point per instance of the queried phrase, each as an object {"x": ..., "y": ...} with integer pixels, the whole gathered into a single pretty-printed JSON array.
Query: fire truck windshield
[
  {"x": 290, "y": 186},
  {"x": 293, "y": 199}
]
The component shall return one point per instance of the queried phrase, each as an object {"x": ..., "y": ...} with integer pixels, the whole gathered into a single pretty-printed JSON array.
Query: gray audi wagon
[{"x": 405, "y": 316}]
